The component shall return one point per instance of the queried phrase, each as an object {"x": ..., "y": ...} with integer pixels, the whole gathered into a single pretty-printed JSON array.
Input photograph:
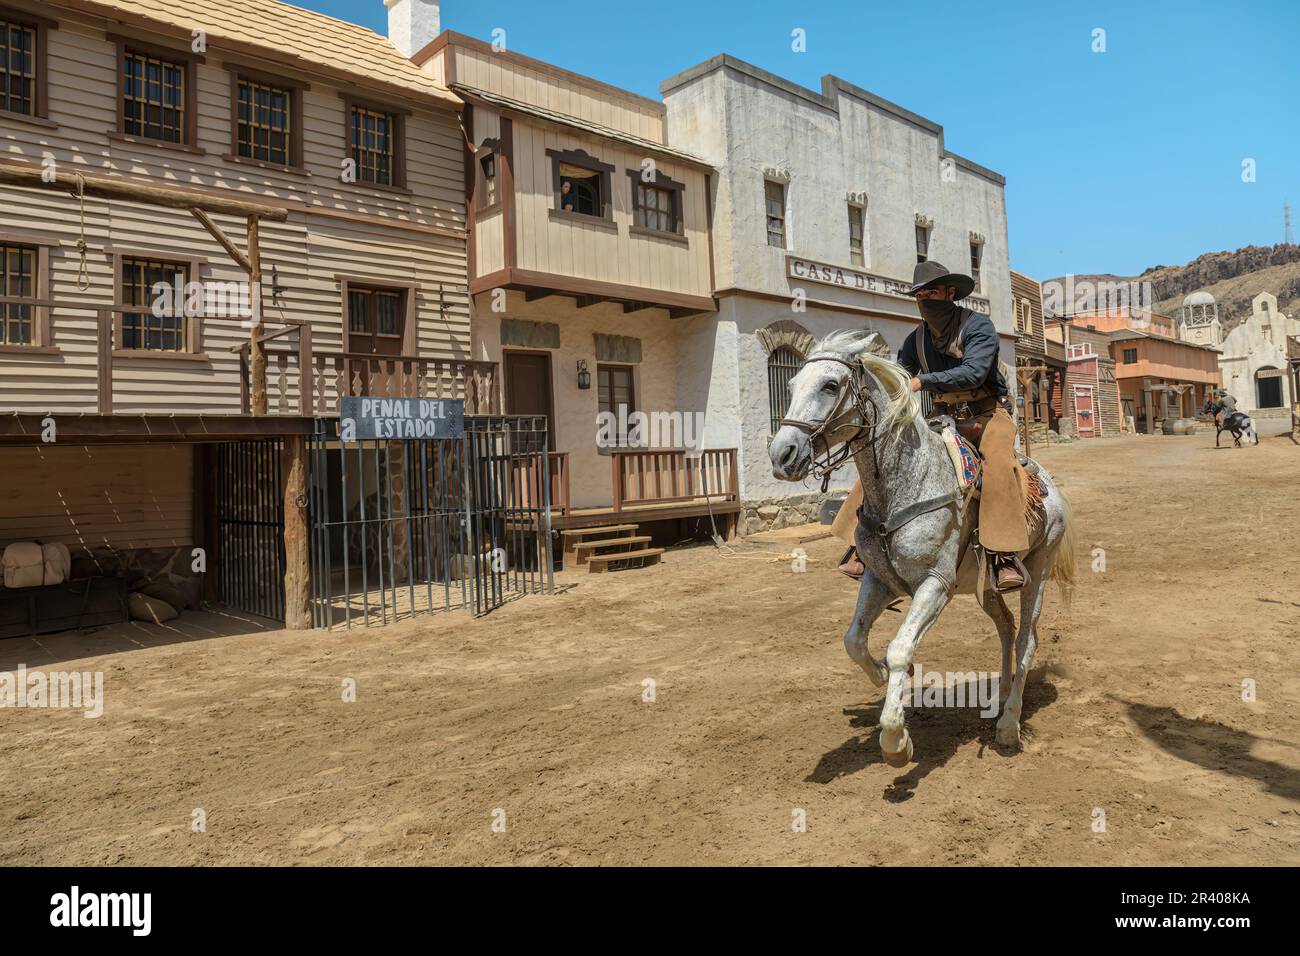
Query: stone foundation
[
  {"x": 772, "y": 514},
  {"x": 146, "y": 568}
]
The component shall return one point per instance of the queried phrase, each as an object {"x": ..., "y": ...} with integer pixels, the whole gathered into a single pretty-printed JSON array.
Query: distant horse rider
[
  {"x": 953, "y": 355},
  {"x": 1227, "y": 407}
]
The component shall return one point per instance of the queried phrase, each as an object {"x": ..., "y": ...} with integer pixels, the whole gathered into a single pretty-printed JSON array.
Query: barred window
[
  {"x": 376, "y": 311},
  {"x": 146, "y": 330},
  {"x": 655, "y": 208},
  {"x": 264, "y": 126},
  {"x": 17, "y": 279},
  {"x": 17, "y": 67},
  {"x": 374, "y": 146},
  {"x": 153, "y": 97},
  {"x": 782, "y": 365}
]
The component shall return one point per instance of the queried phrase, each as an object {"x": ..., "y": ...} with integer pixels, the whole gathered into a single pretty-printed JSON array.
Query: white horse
[{"x": 918, "y": 529}]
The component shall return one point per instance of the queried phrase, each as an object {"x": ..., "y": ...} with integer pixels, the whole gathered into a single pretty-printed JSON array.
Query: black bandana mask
[{"x": 941, "y": 316}]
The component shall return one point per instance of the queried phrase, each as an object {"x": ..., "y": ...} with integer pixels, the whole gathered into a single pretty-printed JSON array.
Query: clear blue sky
[{"x": 1114, "y": 161}]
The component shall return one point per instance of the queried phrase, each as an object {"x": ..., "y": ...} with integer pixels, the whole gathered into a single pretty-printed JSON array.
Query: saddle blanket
[{"x": 965, "y": 459}]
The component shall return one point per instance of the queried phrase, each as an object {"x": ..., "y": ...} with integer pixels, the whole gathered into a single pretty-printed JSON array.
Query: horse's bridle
[{"x": 854, "y": 400}]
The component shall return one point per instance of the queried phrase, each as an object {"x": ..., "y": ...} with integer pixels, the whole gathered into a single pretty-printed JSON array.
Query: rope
[{"x": 83, "y": 276}]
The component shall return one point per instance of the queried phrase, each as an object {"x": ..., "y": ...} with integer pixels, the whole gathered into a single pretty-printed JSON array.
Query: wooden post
[
  {"x": 306, "y": 373},
  {"x": 297, "y": 562},
  {"x": 104, "y": 360},
  {"x": 257, "y": 353}
]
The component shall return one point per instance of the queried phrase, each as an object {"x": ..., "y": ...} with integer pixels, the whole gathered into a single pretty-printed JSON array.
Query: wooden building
[
  {"x": 589, "y": 243},
  {"x": 1161, "y": 377},
  {"x": 202, "y": 147},
  {"x": 1041, "y": 375}
]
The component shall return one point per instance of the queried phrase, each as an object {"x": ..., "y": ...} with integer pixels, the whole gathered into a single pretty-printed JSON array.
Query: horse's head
[{"x": 830, "y": 397}]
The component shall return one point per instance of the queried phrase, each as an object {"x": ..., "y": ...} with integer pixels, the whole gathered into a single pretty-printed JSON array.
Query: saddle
[{"x": 967, "y": 462}]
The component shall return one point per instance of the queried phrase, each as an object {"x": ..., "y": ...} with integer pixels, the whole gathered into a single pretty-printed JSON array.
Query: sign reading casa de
[
  {"x": 810, "y": 271},
  {"x": 401, "y": 418}
]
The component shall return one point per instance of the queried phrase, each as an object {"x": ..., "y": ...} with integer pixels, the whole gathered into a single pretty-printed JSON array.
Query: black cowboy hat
[{"x": 929, "y": 274}]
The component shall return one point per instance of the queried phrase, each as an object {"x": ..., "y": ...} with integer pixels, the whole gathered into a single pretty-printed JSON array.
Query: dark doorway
[
  {"x": 376, "y": 331},
  {"x": 528, "y": 386},
  {"x": 249, "y": 503},
  {"x": 1269, "y": 389}
]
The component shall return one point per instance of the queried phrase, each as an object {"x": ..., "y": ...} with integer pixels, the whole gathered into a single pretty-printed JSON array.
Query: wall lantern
[{"x": 584, "y": 377}]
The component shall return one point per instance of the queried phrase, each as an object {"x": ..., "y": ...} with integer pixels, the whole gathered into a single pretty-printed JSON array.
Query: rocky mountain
[{"x": 1233, "y": 278}]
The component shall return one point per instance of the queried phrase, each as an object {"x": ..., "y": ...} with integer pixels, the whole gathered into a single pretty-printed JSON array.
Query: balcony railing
[
  {"x": 334, "y": 375},
  {"x": 673, "y": 475}
]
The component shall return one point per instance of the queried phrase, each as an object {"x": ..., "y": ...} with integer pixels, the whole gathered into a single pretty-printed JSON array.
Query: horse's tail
[{"x": 1065, "y": 566}]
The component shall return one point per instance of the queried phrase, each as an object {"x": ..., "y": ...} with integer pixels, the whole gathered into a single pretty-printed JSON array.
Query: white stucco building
[
  {"x": 1254, "y": 359},
  {"x": 823, "y": 203}
]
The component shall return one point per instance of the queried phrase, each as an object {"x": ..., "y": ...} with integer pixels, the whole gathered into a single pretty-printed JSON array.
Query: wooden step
[
  {"x": 599, "y": 563},
  {"x": 573, "y": 535},
  {"x": 582, "y": 547}
]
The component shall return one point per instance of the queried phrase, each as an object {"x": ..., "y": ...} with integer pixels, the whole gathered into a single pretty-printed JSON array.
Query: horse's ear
[{"x": 875, "y": 344}]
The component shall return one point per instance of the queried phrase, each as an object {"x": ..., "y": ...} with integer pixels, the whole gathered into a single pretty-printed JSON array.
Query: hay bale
[
  {"x": 24, "y": 565},
  {"x": 151, "y": 610}
]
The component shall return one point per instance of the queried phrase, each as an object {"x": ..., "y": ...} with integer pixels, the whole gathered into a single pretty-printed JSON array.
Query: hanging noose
[{"x": 83, "y": 276}]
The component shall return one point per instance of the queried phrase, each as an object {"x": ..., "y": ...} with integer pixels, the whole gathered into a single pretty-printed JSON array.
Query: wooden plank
[
  {"x": 599, "y": 563},
  {"x": 297, "y": 564}
]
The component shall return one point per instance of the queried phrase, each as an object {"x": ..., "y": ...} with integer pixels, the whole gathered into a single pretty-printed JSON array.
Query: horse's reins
[
  {"x": 852, "y": 401},
  {"x": 855, "y": 400}
]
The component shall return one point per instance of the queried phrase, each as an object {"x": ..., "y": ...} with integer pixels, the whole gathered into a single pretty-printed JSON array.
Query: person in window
[
  {"x": 566, "y": 195},
  {"x": 953, "y": 355}
]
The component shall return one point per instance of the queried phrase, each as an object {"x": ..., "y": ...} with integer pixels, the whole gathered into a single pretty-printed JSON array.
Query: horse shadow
[
  {"x": 1214, "y": 746},
  {"x": 937, "y": 734}
]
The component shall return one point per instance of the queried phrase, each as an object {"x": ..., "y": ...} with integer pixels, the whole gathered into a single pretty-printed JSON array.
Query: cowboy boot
[
  {"x": 850, "y": 566},
  {"x": 1006, "y": 575}
]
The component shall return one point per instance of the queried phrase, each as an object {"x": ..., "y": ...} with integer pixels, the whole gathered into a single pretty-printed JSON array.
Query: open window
[{"x": 582, "y": 186}]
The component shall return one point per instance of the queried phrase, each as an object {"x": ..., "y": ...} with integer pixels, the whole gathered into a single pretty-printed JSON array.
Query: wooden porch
[{"x": 660, "y": 484}]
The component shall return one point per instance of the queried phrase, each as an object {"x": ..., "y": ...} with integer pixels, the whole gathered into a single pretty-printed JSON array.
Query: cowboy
[{"x": 953, "y": 355}]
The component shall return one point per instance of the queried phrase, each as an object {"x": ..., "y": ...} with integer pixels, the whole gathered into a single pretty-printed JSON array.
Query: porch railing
[
  {"x": 670, "y": 475},
  {"x": 304, "y": 382}
]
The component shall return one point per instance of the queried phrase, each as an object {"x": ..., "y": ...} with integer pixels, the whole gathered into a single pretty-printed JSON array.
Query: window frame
[
  {"x": 410, "y": 306},
  {"x": 1124, "y": 357},
  {"x": 41, "y": 342},
  {"x": 189, "y": 62},
  {"x": 584, "y": 160},
  {"x": 612, "y": 367},
  {"x": 192, "y": 327},
  {"x": 976, "y": 263},
  {"x": 925, "y": 233},
  {"x": 295, "y": 88},
  {"x": 41, "y": 87},
  {"x": 400, "y": 116},
  {"x": 858, "y": 212},
  {"x": 785, "y": 213},
  {"x": 677, "y": 201},
  {"x": 780, "y": 400}
]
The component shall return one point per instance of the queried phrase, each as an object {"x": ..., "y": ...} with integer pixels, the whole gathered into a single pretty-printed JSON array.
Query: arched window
[{"x": 783, "y": 364}]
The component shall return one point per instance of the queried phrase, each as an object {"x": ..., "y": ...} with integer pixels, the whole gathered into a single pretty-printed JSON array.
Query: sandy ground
[{"x": 1134, "y": 710}]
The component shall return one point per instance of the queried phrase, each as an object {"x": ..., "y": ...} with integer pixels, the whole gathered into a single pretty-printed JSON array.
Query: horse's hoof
[
  {"x": 1009, "y": 736},
  {"x": 900, "y": 759},
  {"x": 878, "y": 675}
]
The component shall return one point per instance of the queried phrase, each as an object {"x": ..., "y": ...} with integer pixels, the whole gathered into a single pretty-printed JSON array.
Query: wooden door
[
  {"x": 1085, "y": 412},
  {"x": 528, "y": 387},
  {"x": 376, "y": 329}
]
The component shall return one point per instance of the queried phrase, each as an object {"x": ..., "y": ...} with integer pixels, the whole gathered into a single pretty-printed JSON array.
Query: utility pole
[{"x": 1287, "y": 236}]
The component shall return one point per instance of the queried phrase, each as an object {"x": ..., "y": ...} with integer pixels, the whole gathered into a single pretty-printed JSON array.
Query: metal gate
[
  {"x": 400, "y": 528},
  {"x": 250, "y": 526}
]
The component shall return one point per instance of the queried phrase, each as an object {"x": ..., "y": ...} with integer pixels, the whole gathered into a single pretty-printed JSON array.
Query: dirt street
[{"x": 1134, "y": 710}]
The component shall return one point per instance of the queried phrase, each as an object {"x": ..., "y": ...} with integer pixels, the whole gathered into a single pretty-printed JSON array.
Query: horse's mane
[{"x": 867, "y": 347}]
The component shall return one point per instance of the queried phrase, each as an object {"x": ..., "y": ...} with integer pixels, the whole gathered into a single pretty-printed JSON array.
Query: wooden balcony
[{"x": 334, "y": 375}]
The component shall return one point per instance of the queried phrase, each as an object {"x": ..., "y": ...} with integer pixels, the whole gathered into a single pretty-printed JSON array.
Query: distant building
[
  {"x": 1089, "y": 405},
  {"x": 1254, "y": 360},
  {"x": 1043, "y": 387}
]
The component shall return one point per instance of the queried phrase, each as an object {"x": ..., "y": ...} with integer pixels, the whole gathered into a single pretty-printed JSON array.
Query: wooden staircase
[{"x": 601, "y": 549}]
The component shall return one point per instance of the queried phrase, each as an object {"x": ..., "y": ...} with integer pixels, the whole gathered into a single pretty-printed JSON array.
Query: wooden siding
[
  {"x": 333, "y": 229},
  {"x": 121, "y": 497},
  {"x": 542, "y": 85},
  {"x": 1026, "y": 289},
  {"x": 590, "y": 252}
]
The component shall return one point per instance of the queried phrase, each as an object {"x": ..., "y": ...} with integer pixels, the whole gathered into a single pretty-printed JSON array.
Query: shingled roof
[{"x": 311, "y": 42}]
